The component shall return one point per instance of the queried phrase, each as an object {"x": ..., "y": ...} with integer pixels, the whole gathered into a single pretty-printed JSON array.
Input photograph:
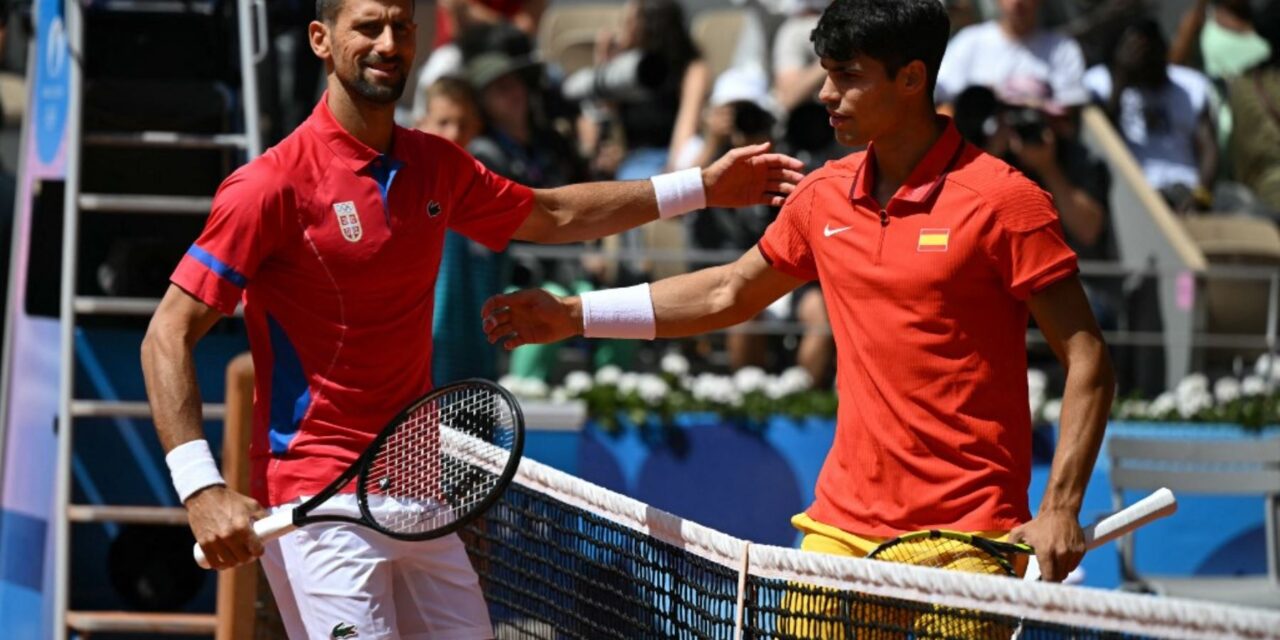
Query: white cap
[{"x": 746, "y": 83}]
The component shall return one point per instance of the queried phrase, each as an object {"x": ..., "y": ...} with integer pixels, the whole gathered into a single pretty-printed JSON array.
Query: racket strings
[
  {"x": 946, "y": 553},
  {"x": 443, "y": 461}
]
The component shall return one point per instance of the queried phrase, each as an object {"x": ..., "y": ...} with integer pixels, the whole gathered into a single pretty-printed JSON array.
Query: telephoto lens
[{"x": 627, "y": 78}]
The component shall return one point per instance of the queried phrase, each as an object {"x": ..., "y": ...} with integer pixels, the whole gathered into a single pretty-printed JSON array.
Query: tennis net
[{"x": 560, "y": 558}]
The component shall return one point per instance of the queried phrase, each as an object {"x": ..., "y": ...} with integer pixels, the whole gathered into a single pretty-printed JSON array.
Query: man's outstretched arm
[
  {"x": 683, "y": 305},
  {"x": 1062, "y": 312},
  {"x": 575, "y": 213}
]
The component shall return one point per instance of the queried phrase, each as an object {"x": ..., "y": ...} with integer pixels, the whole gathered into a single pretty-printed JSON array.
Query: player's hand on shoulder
[
  {"x": 1058, "y": 540},
  {"x": 222, "y": 522},
  {"x": 532, "y": 316},
  {"x": 750, "y": 175}
]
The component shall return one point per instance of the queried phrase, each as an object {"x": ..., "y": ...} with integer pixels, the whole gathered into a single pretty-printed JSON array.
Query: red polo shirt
[
  {"x": 927, "y": 300},
  {"x": 335, "y": 249}
]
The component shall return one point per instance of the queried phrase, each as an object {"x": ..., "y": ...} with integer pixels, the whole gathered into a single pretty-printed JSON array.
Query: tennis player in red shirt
[
  {"x": 930, "y": 254},
  {"x": 333, "y": 239}
]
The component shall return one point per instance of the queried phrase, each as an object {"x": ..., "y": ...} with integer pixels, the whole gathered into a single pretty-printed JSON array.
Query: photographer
[
  {"x": 1024, "y": 127},
  {"x": 659, "y": 122}
]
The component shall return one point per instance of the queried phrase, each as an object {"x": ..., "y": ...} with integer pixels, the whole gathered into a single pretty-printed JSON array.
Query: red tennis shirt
[
  {"x": 335, "y": 250},
  {"x": 927, "y": 300}
]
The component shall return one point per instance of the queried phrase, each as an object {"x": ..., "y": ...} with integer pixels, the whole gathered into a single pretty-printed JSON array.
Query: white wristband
[
  {"x": 679, "y": 192},
  {"x": 192, "y": 468},
  {"x": 619, "y": 313}
]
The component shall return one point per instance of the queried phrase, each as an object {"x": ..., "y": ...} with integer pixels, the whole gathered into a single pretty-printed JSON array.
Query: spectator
[
  {"x": 654, "y": 128},
  {"x": 515, "y": 144},
  {"x": 455, "y": 17},
  {"x": 1255, "y": 98},
  {"x": 1098, "y": 24},
  {"x": 797, "y": 76},
  {"x": 1024, "y": 127},
  {"x": 993, "y": 52},
  {"x": 1162, "y": 112},
  {"x": 469, "y": 272},
  {"x": 1223, "y": 37}
]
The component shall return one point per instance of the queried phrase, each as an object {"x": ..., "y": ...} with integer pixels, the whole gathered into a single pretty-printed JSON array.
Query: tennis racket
[
  {"x": 445, "y": 459},
  {"x": 966, "y": 552}
]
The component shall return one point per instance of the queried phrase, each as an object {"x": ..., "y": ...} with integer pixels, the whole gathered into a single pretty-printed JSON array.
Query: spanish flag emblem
[{"x": 932, "y": 240}]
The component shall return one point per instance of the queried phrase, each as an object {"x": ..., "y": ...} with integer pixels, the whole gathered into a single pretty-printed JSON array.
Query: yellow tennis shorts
[{"x": 820, "y": 615}]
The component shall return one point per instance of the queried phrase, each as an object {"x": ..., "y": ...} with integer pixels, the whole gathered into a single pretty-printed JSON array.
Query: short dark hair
[
  {"x": 894, "y": 32},
  {"x": 327, "y": 10}
]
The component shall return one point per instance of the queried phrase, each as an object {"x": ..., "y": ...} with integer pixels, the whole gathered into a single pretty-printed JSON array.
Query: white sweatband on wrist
[
  {"x": 619, "y": 313},
  {"x": 679, "y": 192},
  {"x": 192, "y": 467}
]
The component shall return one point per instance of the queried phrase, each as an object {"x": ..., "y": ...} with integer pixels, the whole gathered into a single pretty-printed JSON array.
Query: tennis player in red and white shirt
[
  {"x": 930, "y": 254},
  {"x": 332, "y": 239}
]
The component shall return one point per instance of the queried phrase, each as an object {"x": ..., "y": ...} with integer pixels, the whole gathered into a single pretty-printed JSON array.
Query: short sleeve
[
  {"x": 1097, "y": 81},
  {"x": 244, "y": 227},
  {"x": 1067, "y": 74},
  {"x": 1030, "y": 250},
  {"x": 785, "y": 244},
  {"x": 488, "y": 208}
]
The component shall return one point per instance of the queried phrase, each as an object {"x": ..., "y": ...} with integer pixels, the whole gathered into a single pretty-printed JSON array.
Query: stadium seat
[
  {"x": 567, "y": 33},
  {"x": 1233, "y": 305},
  {"x": 1222, "y": 467},
  {"x": 717, "y": 33}
]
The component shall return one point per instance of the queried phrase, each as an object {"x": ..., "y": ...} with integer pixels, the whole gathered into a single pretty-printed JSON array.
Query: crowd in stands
[{"x": 1198, "y": 105}]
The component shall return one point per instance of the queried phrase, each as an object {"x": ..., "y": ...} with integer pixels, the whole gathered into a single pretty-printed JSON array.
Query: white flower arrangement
[
  {"x": 1253, "y": 401},
  {"x": 753, "y": 394},
  {"x": 750, "y": 393}
]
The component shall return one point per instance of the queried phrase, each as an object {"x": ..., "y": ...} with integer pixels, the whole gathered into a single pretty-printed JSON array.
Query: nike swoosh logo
[{"x": 827, "y": 231}]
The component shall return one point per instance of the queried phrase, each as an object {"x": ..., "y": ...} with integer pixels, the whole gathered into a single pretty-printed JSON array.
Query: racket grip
[
  {"x": 267, "y": 529},
  {"x": 1159, "y": 504}
]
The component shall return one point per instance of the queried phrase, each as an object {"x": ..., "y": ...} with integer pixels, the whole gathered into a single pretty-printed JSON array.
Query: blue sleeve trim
[{"x": 224, "y": 270}]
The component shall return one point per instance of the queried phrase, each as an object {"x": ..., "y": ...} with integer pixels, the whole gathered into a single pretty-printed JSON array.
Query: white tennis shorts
[{"x": 334, "y": 581}]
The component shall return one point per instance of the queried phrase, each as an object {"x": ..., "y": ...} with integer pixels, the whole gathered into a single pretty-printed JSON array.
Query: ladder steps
[
  {"x": 141, "y": 203},
  {"x": 128, "y": 514},
  {"x": 170, "y": 139},
  {"x": 133, "y": 409},
  {"x": 111, "y": 306},
  {"x": 95, "y": 305},
  {"x": 195, "y": 624}
]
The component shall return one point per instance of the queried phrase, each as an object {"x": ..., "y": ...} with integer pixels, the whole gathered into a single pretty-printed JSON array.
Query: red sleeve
[
  {"x": 488, "y": 208},
  {"x": 1030, "y": 250},
  {"x": 243, "y": 229},
  {"x": 785, "y": 244}
]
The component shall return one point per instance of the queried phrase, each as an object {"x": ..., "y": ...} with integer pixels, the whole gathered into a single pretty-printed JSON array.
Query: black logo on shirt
[{"x": 433, "y": 208}]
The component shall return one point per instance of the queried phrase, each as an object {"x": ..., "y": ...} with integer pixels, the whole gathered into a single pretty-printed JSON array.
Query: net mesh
[
  {"x": 442, "y": 462},
  {"x": 561, "y": 558}
]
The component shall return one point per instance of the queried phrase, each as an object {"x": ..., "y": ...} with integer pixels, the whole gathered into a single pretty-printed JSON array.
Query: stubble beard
[{"x": 375, "y": 93}]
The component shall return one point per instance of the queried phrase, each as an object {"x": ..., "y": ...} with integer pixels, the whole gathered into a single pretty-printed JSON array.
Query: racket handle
[
  {"x": 1159, "y": 504},
  {"x": 267, "y": 529}
]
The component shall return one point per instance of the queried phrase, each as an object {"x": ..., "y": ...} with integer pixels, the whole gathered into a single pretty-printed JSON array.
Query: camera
[
  {"x": 1028, "y": 123},
  {"x": 631, "y": 76}
]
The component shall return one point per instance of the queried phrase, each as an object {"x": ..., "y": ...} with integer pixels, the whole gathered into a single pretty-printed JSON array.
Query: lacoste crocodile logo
[{"x": 343, "y": 630}]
